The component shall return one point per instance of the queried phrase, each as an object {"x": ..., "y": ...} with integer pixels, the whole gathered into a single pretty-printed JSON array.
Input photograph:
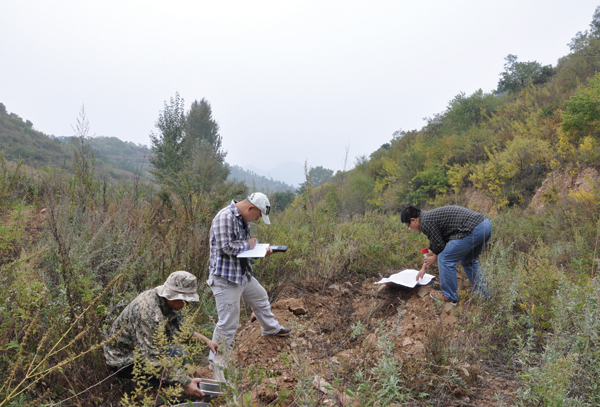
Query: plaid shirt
[
  {"x": 448, "y": 223},
  {"x": 229, "y": 236}
]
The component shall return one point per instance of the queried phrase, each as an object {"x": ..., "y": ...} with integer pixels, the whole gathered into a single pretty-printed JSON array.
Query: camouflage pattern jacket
[{"x": 134, "y": 329}]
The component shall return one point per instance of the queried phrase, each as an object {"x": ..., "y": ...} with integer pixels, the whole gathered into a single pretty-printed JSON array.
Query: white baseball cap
[{"x": 261, "y": 201}]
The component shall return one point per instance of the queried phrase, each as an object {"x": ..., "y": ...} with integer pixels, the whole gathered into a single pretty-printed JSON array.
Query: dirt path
[{"x": 337, "y": 329}]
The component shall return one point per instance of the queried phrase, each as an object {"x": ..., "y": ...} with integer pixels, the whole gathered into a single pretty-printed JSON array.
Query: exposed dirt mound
[
  {"x": 337, "y": 328},
  {"x": 475, "y": 199},
  {"x": 561, "y": 182}
]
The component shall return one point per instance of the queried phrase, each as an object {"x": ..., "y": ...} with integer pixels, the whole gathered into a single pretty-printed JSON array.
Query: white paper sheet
[
  {"x": 407, "y": 278},
  {"x": 260, "y": 250}
]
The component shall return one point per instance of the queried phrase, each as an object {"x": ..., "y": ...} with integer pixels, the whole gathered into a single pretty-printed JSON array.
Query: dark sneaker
[{"x": 284, "y": 332}]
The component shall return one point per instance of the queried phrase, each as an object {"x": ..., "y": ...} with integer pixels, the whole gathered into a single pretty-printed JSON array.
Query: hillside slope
[{"x": 18, "y": 139}]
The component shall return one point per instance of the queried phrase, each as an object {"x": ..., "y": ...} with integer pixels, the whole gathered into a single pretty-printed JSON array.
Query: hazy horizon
[{"x": 296, "y": 81}]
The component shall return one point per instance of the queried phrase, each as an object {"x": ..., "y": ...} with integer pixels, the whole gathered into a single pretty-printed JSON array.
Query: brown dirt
[
  {"x": 561, "y": 182},
  {"x": 477, "y": 200},
  {"x": 321, "y": 343}
]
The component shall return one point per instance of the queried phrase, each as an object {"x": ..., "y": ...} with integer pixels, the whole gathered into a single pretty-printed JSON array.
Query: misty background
[{"x": 289, "y": 83}]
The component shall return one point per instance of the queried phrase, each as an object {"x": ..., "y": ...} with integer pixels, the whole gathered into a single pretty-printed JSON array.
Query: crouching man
[{"x": 135, "y": 327}]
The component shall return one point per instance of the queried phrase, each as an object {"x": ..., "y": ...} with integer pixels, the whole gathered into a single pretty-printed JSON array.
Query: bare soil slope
[{"x": 323, "y": 316}]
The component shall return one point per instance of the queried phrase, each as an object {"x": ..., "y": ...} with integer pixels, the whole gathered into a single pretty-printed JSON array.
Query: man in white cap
[
  {"x": 231, "y": 277},
  {"x": 134, "y": 327}
]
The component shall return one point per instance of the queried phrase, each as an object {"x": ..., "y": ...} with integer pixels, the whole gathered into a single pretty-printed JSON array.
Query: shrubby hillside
[
  {"x": 257, "y": 182},
  {"x": 18, "y": 139},
  {"x": 75, "y": 250},
  {"x": 503, "y": 143},
  {"x": 116, "y": 159}
]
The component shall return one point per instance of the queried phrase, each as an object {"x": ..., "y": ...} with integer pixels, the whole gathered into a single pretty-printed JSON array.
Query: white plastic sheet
[{"x": 407, "y": 278}]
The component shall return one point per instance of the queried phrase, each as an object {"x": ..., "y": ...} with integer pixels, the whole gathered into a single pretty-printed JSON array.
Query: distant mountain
[
  {"x": 124, "y": 155},
  {"x": 115, "y": 159},
  {"x": 257, "y": 182},
  {"x": 289, "y": 172}
]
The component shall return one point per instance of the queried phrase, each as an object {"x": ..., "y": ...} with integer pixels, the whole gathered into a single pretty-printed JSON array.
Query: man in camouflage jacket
[{"x": 136, "y": 325}]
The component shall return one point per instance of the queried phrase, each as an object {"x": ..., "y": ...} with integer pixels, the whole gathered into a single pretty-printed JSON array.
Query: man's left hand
[
  {"x": 269, "y": 252},
  {"x": 194, "y": 388}
]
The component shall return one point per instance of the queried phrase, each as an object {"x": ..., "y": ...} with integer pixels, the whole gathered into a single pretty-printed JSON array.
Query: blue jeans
[{"x": 464, "y": 251}]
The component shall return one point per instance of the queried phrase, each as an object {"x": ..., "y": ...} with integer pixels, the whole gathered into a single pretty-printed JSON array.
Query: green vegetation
[
  {"x": 67, "y": 273},
  {"x": 19, "y": 140},
  {"x": 117, "y": 160}
]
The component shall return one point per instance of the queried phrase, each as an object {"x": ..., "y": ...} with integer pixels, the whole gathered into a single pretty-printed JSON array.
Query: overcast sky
[{"x": 287, "y": 80}]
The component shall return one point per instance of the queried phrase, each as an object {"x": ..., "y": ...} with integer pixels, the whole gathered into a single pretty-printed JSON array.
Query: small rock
[
  {"x": 300, "y": 310},
  {"x": 347, "y": 401},
  {"x": 407, "y": 341},
  {"x": 423, "y": 291},
  {"x": 371, "y": 340},
  {"x": 296, "y": 305},
  {"x": 451, "y": 319},
  {"x": 321, "y": 384},
  {"x": 447, "y": 307},
  {"x": 294, "y": 345}
]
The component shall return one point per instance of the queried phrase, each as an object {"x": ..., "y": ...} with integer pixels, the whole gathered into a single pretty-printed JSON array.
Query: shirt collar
[
  {"x": 236, "y": 212},
  {"x": 234, "y": 208},
  {"x": 164, "y": 307}
]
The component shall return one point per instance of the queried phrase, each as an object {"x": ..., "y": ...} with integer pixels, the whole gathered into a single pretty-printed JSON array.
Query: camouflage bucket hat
[{"x": 180, "y": 285}]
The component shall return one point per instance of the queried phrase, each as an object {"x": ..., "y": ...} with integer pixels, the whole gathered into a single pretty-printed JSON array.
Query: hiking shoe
[
  {"x": 283, "y": 332},
  {"x": 438, "y": 295}
]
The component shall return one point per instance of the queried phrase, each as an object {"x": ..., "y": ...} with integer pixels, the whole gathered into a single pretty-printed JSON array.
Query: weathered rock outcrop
[{"x": 561, "y": 182}]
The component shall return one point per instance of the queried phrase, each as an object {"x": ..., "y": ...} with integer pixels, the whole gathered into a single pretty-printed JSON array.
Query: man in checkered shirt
[
  {"x": 231, "y": 277},
  {"x": 456, "y": 235}
]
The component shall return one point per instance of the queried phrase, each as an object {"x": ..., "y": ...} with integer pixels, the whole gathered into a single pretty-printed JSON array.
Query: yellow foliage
[
  {"x": 588, "y": 150},
  {"x": 505, "y": 165},
  {"x": 457, "y": 175},
  {"x": 588, "y": 145},
  {"x": 582, "y": 196},
  {"x": 565, "y": 148}
]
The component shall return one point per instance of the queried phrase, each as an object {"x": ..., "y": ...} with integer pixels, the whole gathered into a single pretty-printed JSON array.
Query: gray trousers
[{"x": 227, "y": 296}]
